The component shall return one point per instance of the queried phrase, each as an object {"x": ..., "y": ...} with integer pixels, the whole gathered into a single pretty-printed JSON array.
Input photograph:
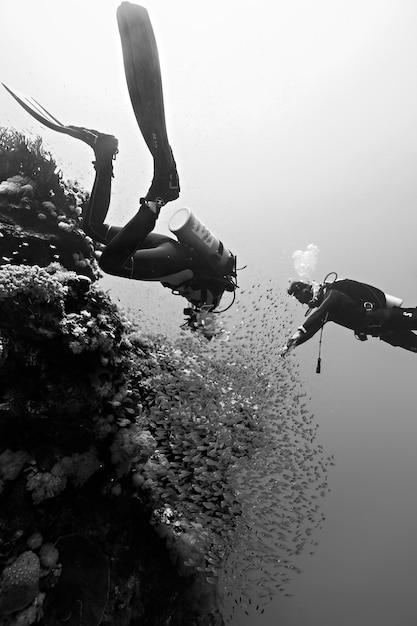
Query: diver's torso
[
  {"x": 354, "y": 303},
  {"x": 360, "y": 293},
  {"x": 181, "y": 269}
]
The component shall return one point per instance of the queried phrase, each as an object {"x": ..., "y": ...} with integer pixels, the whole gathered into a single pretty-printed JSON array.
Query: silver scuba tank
[
  {"x": 393, "y": 301},
  {"x": 192, "y": 232}
]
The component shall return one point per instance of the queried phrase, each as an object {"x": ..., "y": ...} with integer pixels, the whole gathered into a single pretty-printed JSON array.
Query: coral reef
[
  {"x": 19, "y": 583},
  {"x": 82, "y": 591},
  {"x": 130, "y": 466},
  {"x": 39, "y": 210}
]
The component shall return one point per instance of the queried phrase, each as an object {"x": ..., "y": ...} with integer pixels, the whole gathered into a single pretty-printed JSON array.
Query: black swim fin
[
  {"x": 36, "y": 110},
  {"x": 143, "y": 76}
]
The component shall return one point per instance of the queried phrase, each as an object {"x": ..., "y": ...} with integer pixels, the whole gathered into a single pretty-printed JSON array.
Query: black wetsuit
[
  {"x": 134, "y": 251},
  {"x": 363, "y": 309}
]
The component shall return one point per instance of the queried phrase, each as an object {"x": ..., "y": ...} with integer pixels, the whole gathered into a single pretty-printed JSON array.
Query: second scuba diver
[{"x": 366, "y": 310}]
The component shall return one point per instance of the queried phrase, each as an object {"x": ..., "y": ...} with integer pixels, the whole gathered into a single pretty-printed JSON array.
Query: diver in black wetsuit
[
  {"x": 134, "y": 251},
  {"x": 364, "y": 309},
  {"x": 197, "y": 266}
]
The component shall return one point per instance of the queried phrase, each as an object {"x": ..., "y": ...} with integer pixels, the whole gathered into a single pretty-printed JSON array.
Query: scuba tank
[
  {"x": 192, "y": 232},
  {"x": 390, "y": 301},
  {"x": 393, "y": 301}
]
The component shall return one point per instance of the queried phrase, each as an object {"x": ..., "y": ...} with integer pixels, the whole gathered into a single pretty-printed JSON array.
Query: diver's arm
[
  {"x": 318, "y": 318},
  {"x": 314, "y": 322}
]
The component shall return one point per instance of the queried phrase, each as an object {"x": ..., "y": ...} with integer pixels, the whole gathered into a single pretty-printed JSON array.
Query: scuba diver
[
  {"x": 366, "y": 310},
  {"x": 196, "y": 266},
  {"x": 134, "y": 251}
]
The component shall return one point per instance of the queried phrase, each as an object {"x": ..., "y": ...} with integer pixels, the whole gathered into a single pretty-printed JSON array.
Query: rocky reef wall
[{"x": 133, "y": 469}]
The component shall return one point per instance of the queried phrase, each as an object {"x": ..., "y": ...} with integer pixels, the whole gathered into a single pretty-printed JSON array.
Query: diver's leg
[
  {"x": 97, "y": 208},
  {"x": 166, "y": 261},
  {"x": 122, "y": 246},
  {"x": 143, "y": 77},
  {"x": 409, "y": 318},
  {"x": 399, "y": 318},
  {"x": 402, "y": 339},
  {"x": 165, "y": 184}
]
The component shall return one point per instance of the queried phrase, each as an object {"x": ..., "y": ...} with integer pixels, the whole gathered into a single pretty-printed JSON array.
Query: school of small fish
[{"x": 282, "y": 484}]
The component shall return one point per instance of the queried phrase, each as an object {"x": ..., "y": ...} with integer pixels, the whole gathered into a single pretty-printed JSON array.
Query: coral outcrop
[
  {"x": 125, "y": 459},
  {"x": 75, "y": 381},
  {"x": 19, "y": 583},
  {"x": 39, "y": 213}
]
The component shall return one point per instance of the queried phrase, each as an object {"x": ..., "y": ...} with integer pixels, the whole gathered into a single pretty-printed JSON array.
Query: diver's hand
[
  {"x": 291, "y": 343},
  {"x": 284, "y": 350}
]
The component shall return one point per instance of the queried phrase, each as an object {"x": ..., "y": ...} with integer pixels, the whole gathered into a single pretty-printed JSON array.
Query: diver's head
[
  {"x": 204, "y": 295},
  {"x": 303, "y": 292},
  {"x": 201, "y": 292}
]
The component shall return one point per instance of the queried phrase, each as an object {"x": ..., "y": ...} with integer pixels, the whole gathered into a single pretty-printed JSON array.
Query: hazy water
[{"x": 363, "y": 570}]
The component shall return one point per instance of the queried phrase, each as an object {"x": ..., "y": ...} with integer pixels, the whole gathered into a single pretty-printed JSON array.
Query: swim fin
[
  {"x": 36, "y": 110},
  {"x": 143, "y": 76}
]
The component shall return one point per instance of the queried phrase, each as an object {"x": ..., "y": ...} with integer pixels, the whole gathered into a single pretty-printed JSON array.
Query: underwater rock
[
  {"x": 48, "y": 555},
  {"x": 39, "y": 211},
  {"x": 177, "y": 461},
  {"x": 19, "y": 583},
  {"x": 81, "y": 595}
]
